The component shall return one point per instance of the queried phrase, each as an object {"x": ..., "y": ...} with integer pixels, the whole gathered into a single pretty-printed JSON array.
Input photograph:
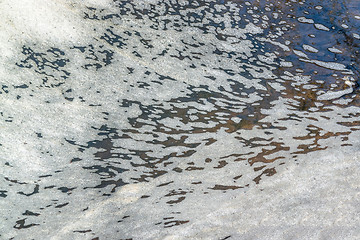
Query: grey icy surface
[{"x": 179, "y": 119}]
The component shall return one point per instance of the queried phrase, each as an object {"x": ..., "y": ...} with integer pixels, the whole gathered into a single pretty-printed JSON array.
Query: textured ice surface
[{"x": 178, "y": 120}]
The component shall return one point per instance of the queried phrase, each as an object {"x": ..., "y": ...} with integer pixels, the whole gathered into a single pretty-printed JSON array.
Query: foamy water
[{"x": 179, "y": 120}]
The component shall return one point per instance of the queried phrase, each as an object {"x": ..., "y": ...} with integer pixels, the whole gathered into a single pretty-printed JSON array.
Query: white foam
[
  {"x": 283, "y": 46},
  {"x": 328, "y": 65},
  {"x": 260, "y": 211},
  {"x": 286, "y": 64},
  {"x": 321, "y": 27},
  {"x": 334, "y": 95},
  {"x": 310, "y": 48},
  {"x": 300, "y": 54},
  {"x": 305, "y": 20},
  {"x": 42, "y": 20},
  {"x": 334, "y": 50}
]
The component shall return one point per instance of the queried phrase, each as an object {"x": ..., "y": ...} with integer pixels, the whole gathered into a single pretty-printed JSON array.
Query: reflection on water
[{"x": 216, "y": 94}]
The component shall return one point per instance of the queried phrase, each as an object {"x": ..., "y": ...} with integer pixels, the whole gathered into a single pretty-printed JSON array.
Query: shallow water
[{"x": 160, "y": 110}]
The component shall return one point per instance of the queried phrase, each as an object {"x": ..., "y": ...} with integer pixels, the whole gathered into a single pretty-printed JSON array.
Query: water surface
[{"x": 173, "y": 106}]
